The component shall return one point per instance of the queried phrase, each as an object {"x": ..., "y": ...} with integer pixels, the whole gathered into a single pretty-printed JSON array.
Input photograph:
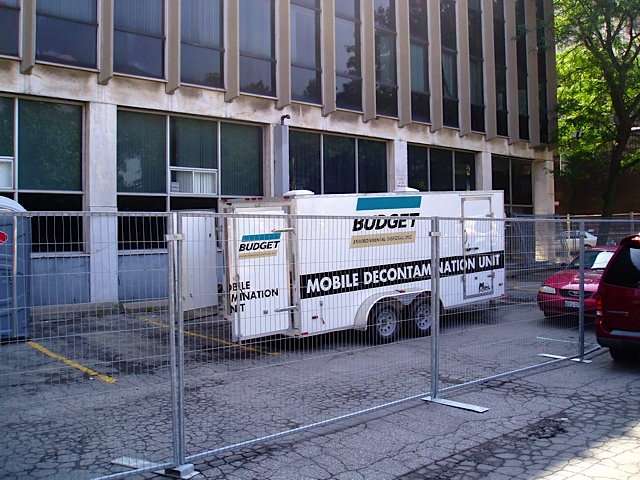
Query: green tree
[{"x": 598, "y": 89}]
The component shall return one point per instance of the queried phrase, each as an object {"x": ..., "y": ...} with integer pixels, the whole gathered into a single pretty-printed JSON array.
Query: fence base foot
[
  {"x": 451, "y": 403},
  {"x": 560, "y": 357},
  {"x": 183, "y": 471}
]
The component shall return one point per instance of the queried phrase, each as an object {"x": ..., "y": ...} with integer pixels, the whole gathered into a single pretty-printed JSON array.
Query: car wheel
[
  {"x": 384, "y": 323},
  {"x": 622, "y": 354},
  {"x": 420, "y": 320}
]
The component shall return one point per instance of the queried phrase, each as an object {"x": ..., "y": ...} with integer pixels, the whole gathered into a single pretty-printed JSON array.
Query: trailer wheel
[
  {"x": 384, "y": 323},
  {"x": 420, "y": 320}
]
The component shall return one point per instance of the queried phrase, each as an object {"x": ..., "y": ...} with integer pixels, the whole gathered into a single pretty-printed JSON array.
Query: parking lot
[{"x": 92, "y": 392}]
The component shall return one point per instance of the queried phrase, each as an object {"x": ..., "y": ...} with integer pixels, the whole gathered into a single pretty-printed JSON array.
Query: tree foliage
[{"x": 598, "y": 89}]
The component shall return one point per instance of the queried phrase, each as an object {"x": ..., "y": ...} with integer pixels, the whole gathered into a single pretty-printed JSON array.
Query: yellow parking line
[
  {"x": 71, "y": 363},
  {"x": 219, "y": 340}
]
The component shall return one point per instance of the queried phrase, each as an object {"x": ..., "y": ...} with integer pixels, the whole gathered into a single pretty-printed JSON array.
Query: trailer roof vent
[{"x": 294, "y": 193}]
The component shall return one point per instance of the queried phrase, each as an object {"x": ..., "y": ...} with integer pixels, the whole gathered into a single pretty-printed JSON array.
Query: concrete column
[
  {"x": 281, "y": 159},
  {"x": 101, "y": 200},
  {"x": 543, "y": 189},
  {"x": 283, "y": 52},
  {"x": 328, "y": 52},
  {"x": 232, "y": 57},
  {"x": 464, "y": 74},
  {"x": 435, "y": 66},
  {"x": 404, "y": 64},
  {"x": 368, "y": 61},
  {"x": 173, "y": 46},
  {"x": 489, "y": 70},
  {"x": 400, "y": 167},
  {"x": 484, "y": 180}
]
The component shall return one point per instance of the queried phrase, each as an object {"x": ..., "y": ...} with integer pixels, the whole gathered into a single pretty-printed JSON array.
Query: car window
[
  {"x": 593, "y": 260},
  {"x": 625, "y": 268}
]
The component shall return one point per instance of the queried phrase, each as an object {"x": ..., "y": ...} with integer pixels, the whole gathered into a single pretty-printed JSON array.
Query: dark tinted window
[
  {"x": 9, "y": 26},
  {"x": 66, "y": 32},
  {"x": 625, "y": 268}
]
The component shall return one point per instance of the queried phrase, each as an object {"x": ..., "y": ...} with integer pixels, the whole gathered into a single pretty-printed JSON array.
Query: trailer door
[
  {"x": 259, "y": 291},
  {"x": 478, "y": 239}
]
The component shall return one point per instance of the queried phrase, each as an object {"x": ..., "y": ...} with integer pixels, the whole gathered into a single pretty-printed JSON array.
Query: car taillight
[{"x": 598, "y": 305}]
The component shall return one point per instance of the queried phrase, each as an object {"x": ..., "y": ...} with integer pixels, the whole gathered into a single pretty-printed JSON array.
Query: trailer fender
[{"x": 403, "y": 298}]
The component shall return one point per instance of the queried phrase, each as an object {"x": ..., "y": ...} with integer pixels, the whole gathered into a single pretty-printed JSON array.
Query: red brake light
[{"x": 598, "y": 305}]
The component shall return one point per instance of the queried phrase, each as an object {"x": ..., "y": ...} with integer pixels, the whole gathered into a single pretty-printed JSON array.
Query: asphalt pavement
[{"x": 570, "y": 420}]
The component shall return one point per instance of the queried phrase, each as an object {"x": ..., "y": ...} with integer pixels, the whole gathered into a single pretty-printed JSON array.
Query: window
[
  {"x": 257, "y": 47},
  {"x": 66, "y": 32},
  {"x": 138, "y": 38},
  {"x": 436, "y": 169},
  {"x": 348, "y": 55},
  {"x": 305, "y": 51},
  {"x": 372, "y": 166},
  {"x": 201, "y": 58},
  {"x": 241, "y": 159},
  {"x": 193, "y": 156},
  {"x": 499, "y": 44},
  {"x": 48, "y": 140},
  {"x": 172, "y": 163},
  {"x": 476, "y": 65},
  {"x": 386, "y": 83},
  {"x": 304, "y": 161},
  {"x": 339, "y": 164},
  {"x": 513, "y": 176},
  {"x": 624, "y": 270},
  {"x": 141, "y": 153},
  {"x": 449, "y": 62},
  {"x": 336, "y": 164},
  {"x": 10, "y": 27},
  {"x": 418, "y": 26}
]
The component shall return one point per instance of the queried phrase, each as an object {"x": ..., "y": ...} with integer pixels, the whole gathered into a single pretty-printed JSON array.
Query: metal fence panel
[
  {"x": 88, "y": 390},
  {"x": 154, "y": 340}
]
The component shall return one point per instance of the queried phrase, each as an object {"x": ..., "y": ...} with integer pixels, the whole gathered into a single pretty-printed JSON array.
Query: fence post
[
  {"x": 435, "y": 304},
  {"x": 174, "y": 240},
  {"x": 581, "y": 292}
]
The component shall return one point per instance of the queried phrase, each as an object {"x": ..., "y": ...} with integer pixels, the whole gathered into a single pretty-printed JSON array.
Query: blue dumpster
[{"x": 15, "y": 271}]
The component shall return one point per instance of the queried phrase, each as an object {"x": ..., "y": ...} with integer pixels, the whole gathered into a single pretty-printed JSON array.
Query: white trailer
[{"x": 309, "y": 264}]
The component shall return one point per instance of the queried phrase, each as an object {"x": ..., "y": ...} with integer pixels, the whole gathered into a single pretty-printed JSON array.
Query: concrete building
[{"x": 162, "y": 105}]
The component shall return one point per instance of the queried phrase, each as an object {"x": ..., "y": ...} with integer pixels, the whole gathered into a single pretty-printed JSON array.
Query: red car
[
  {"x": 560, "y": 292},
  {"x": 618, "y": 302}
]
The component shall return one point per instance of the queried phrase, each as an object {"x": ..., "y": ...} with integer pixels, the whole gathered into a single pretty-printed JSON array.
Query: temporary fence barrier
[{"x": 143, "y": 352}]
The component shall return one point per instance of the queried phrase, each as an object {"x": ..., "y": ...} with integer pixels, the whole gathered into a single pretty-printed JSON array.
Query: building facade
[{"x": 163, "y": 105}]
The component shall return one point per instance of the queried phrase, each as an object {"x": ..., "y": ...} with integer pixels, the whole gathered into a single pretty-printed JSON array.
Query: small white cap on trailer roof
[
  {"x": 11, "y": 205},
  {"x": 406, "y": 189},
  {"x": 293, "y": 193}
]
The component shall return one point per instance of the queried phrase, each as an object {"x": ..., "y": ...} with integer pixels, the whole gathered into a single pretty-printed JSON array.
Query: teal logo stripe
[
  {"x": 260, "y": 238},
  {"x": 388, "y": 203}
]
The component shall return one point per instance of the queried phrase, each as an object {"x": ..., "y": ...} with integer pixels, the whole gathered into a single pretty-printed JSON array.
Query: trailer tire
[
  {"x": 384, "y": 323},
  {"x": 420, "y": 320}
]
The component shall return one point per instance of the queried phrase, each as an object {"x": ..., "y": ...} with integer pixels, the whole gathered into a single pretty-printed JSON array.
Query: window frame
[
  {"x": 356, "y": 165},
  {"x": 123, "y": 66},
  {"x": 420, "y": 160},
  {"x": 420, "y": 98},
  {"x": 347, "y": 77},
  {"x": 386, "y": 33},
  {"x": 67, "y": 231},
  {"x": 41, "y": 57},
  {"x": 317, "y": 69},
  {"x": 252, "y": 56},
  {"x": 216, "y": 49}
]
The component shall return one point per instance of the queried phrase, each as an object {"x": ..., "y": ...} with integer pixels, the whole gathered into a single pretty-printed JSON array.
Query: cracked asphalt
[{"x": 567, "y": 421}]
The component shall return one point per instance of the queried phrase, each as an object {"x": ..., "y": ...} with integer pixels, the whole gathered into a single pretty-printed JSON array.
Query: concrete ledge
[{"x": 144, "y": 306}]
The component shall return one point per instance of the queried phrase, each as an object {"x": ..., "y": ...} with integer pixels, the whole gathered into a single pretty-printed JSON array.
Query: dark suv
[{"x": 618, "y": 302}]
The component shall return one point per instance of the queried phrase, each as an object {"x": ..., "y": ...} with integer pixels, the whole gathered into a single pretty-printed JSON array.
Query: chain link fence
[{"x": 139, "y": 342}]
